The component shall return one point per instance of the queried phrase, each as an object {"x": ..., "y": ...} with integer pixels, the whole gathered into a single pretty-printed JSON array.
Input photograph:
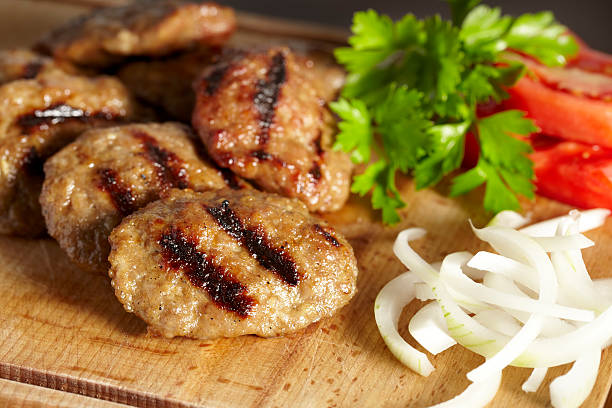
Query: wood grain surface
[
  {"x": 63, "y": 329},
  {"x": 19, "y": 395}
]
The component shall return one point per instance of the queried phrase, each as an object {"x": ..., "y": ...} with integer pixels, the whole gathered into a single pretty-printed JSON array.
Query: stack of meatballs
[{"x": 157, "y": 150}]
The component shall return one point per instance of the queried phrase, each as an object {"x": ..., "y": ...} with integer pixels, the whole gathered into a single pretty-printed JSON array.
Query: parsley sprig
[{"x": 412, "y": 93}]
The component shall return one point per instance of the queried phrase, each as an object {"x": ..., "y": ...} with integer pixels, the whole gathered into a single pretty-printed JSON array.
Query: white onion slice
[
  {"x": 428, "y": 328},
  {"x": 564, "y": 243},
  {"x": 514, "y": 270},
  {"x": 521, "y": 314},
  {"x": 411, "y": 259},
  {"x": 388, "y": 307},
  {"x": 498, "y": 320},
  {"x": 589, "y": 219},
  {"x": 510, "y": 219},
  {"x": 573, "y": 276},
  {"x": 422, "y": 291},
  {"x": 522, "y": 248},
  {"x": 550, "y": 326},
  {"x": 535, "y": 379},
  {"x": 570, "y": 390},
  {"x": 604, "y": 287},
  {"x": 476, "y": 395},
  {"x": 461, "y": 283},
  {"x": 563, "y": 349}
]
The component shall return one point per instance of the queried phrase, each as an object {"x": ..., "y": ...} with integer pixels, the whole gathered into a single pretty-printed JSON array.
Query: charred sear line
[
  {"x": 274, "y": 259},
  {"x": 32, "y": 164},
  {"x": 261, "y": 155},
  {"x": 180, "y": 252},
  {"x": 266, "y": 98},
  {"x": 31, "y": 69},
  {"x": 214, "y": 78},
  {"x": 327, "y": 235},
  {"x": 231, "y": 180},
  {"x": 169, "y": 167},
  {"x": 318, "y": 145},
  {"x": 56, "y": 114},
  {"x": 315, "y": 172},
  {"x": 120, "y": 194}
]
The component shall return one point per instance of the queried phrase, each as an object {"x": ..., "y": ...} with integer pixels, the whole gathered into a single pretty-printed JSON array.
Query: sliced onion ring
[
  {"x": 527, "y": 285},
  {"x": 477, "y": 394},
  {"x": 388, "y": 307}
]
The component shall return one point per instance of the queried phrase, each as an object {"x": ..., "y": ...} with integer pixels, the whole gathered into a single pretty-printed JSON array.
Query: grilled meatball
[
  {"x": 143, "y": 27},
  {"x": 23, "y": 64},
  {"x": 166, "y": 83},
  {"x": 106, "y": 174},
  {"x": 40, "y": 116},
  {"x": 227, "y": 263},
  {"x": 264, "y": 116}
]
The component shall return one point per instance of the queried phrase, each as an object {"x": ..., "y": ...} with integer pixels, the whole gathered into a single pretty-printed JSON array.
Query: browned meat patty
[
  {"x": 40, "y": 116},
  {"x": 167, "y": 83},
  {"x": 23, "y": 64},
  {"x": 264, "y": 116},
  {"x": 143, "y": 27},
  {"x": 106, "y": 174},
  {"x": 227, "y": 263}
]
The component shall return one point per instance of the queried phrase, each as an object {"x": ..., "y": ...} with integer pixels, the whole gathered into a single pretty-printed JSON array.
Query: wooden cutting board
[{"x": 63, "y": 329}]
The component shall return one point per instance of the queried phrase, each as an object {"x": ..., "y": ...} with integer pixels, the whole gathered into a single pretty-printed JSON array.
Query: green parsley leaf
[
  {"x": 541, "y": 37},
  {"x": 498, "y": 145},
  {"x": 460, "y": 9},
  {"x": 371, "y": 31},
  {"x": 412, "y": 92},
  {"x": 402, "y": 127},
  {"x": 365, "y": 182},
  {"x": 482, "y": 31},
  {"x": 380, "y": 179},
  {"x": 445, "y": 153},
  {"x": 503, "y": 164},
  {"x": 468, "y": 181},
  {"x": 355, "y": 129}
]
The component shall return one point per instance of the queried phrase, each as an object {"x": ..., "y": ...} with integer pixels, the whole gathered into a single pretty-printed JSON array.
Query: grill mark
[
  {"x": 315, "y": 172},
  {"x": 120, "y": 194},
  {"x": 169, "y": 167},
  {"x": 327, "y": 235},
  {"x": 56, "y": 114},
  {"x": 261, "y": 155},
  {"x": 230, "y": 179},
  {"x": 181, "y": 252},
  {"x": 317, "y": 144},
  {"x": 265, "y": 156},
  {"x": 266, "y": 97},
  {"x": 32, "y": 164},
  {"x": 213, "y": 80},
  {"x": 32, "y": 69},
  {"x": 253, "y": 239}
]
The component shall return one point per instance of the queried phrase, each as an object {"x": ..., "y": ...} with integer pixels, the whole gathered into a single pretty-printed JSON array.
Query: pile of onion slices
[{"x": 531, "y": 304}]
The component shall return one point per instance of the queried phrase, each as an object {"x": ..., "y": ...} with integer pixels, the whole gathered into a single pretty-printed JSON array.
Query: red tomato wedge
[
  {"x": 591, "y": 60},
  {"x": 574, "y": 173},
  {"x": 570, "y": 103}
]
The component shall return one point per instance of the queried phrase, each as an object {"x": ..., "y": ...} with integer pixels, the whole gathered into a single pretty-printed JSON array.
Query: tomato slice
[
  {"x": 561, "y": 113},
  {"x": 591, "y": 60},
  {"x": 572, "y": 103},
  {"x": 574, "y": 173}
]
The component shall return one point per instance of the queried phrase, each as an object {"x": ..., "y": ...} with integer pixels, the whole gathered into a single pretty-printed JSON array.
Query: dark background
[{"x": 590, "y": 19}]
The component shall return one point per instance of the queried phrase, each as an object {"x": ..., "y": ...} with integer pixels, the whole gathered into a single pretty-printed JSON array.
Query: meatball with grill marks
[
  {"x": 25, "y": 64},
  {"x": 39, "y": 117},
  {"x": 263, "y": 115},
  {"x": 143, "y": 27},
  {"x": 167, "y": 83},
  {"x": 106, "y": 174},
  {"x": 228, "y": 263}
]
